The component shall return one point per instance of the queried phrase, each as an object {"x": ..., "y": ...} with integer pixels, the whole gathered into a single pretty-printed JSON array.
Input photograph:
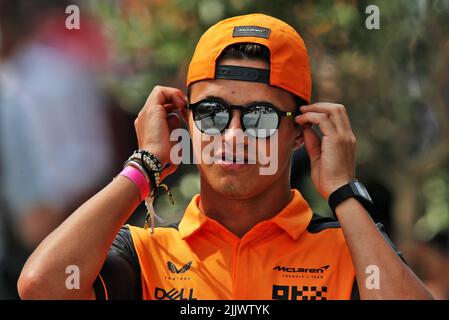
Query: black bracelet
[
  {"x": 153, "y": 159},
  {"x": 150, "y": 173},
  {"x": 152, "y": 167}
]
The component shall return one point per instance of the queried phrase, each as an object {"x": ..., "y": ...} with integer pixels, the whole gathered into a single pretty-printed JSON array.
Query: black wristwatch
[{"x": 353, "y": 189}]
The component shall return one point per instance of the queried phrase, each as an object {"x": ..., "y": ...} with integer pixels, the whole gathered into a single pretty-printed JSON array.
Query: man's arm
[
  {"x": 332, "y": 166},
  {"x": 368, "y": 247},
  {"x": 84, "y": 239}
]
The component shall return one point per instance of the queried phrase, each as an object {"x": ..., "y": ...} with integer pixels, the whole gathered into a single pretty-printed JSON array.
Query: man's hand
[
  {"x": 155, "y": 122},
  {"x": 332, "y": 158},
  {"x": 333, "y": 165}
]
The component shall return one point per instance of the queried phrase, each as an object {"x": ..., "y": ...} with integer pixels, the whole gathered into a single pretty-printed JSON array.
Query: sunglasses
[{"x": 258, "y": 119}]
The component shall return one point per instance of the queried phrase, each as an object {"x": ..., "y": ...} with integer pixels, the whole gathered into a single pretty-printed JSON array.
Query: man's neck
[{"x": 241, "y": 215}]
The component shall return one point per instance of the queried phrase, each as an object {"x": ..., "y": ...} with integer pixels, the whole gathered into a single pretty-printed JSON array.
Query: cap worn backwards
[{"x": 289, "y": 61}]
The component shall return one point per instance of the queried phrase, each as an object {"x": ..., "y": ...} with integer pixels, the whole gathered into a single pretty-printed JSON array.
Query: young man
[{"x": 247, "y": 235}]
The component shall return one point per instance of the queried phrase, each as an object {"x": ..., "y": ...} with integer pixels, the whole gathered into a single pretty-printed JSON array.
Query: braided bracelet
[{"x": 152, "y": 167}]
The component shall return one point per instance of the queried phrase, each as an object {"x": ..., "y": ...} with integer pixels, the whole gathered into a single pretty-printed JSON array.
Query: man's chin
[
  {"x": 235, "y": 190},
  {"x": 234, "y": 193}
]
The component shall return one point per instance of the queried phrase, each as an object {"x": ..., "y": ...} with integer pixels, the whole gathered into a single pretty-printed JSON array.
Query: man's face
[{"x": 242, "y": 181}]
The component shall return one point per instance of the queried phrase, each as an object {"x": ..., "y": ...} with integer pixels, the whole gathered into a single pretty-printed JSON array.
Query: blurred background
[{"x": 68, "y": 99}]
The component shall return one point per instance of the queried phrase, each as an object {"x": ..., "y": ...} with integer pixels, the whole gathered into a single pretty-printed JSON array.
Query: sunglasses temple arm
[{"x": 293, "y": 114}]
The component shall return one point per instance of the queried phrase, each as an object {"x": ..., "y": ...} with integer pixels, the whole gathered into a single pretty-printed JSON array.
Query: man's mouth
[
  {"x": 233, "y": 158},
  {"x": 227, "y": 158}
]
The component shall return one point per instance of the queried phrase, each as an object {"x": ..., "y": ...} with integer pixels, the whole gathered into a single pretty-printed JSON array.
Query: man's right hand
[
  {"x": 155, "y": 122},
  {"x": 44, "y": 276}
]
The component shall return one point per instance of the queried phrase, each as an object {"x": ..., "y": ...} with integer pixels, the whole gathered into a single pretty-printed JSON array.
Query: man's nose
[
  {"x": 235, "y": 121},
  {"x": 234, "y": 132}
]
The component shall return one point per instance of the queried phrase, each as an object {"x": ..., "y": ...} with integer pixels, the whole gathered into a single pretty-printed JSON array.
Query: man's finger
[
  {"x": 312, "y": 143},
  {"x": 166, "y": 95},
  {"x": 179, "y": 101},
  {"x": 336, "y": 112},
  {"x": 173, "y": 121},
  {"x": 320, "y": 119}
]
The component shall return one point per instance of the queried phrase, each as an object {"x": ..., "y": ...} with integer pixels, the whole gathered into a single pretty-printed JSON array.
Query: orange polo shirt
[
  {"x": 276, "y": 258},
  {"x": 296, "y": 255}
]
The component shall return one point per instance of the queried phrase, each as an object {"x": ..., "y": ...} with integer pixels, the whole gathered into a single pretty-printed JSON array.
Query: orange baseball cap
[{"x": 289, "y": 69}]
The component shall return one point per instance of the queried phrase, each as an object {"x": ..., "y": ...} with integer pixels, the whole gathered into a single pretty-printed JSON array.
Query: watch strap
[{"x": 353, "y": 189}]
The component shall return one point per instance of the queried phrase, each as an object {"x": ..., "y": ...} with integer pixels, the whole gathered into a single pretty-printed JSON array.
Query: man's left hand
[{"x": 332, "y": 159}]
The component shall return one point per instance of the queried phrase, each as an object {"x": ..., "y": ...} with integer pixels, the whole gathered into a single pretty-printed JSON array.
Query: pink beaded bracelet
[{"x": 136, "y": 176}]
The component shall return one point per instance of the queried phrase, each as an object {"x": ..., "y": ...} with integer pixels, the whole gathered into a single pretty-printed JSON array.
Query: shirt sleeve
[{"x": 120, "y": 276}]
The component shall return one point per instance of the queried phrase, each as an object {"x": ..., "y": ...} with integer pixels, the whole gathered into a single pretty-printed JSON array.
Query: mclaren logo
[
  {"x": 172, "y": 268},
  {"x": 301, "y": 270}
]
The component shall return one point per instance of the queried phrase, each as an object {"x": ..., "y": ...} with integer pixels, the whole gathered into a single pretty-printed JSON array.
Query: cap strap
[{"x": 242, "y": 73}]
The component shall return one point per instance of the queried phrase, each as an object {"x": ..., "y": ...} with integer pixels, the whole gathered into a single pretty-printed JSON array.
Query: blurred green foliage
[{"x": 393, "y": 81}]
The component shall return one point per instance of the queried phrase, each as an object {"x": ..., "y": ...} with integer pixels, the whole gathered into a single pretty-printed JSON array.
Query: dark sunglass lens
[
  {"x": 211, "y": 117},
  {"x": 260, "y": 121}
]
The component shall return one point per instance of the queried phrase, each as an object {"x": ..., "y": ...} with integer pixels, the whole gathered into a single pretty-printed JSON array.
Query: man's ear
[{"x": 299, "y": 138}]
